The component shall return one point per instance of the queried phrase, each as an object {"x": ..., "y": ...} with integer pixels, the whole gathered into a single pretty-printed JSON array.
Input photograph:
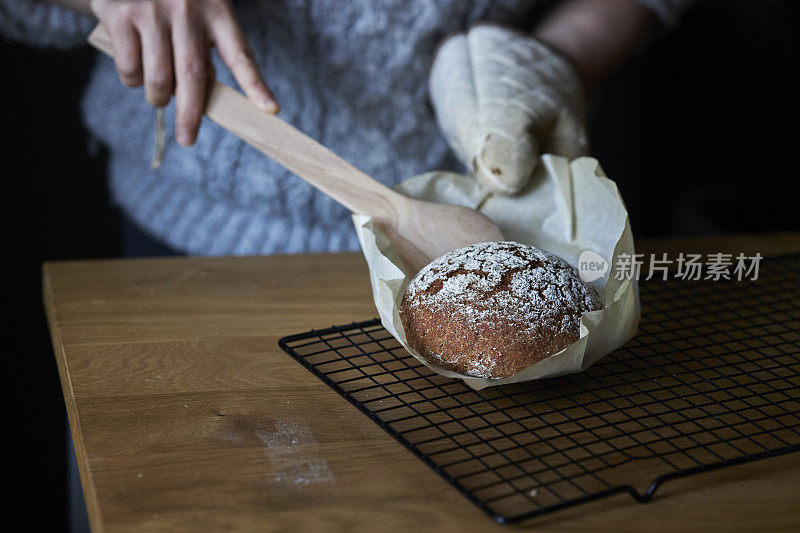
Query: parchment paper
[{"x": 568, "y": 207}]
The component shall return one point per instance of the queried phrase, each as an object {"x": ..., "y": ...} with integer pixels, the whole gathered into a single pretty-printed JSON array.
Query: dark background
[{"x": 699, "y": 130}]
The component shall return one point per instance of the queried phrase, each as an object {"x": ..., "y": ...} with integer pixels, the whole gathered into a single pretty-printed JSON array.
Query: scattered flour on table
[{"x": 294, "y": 454}]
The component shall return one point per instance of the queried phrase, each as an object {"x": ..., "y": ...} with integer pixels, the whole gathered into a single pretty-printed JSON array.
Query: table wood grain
[{"x": 184, "y": 410}]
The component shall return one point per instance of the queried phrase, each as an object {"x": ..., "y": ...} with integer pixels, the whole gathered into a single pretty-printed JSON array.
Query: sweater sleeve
[
  {"x": 39, "y": 23},
  {"x": 668, "y": 12}
]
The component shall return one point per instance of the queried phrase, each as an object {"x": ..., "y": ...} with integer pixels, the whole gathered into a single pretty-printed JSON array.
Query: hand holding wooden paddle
[{"x": 420, "y": 231}]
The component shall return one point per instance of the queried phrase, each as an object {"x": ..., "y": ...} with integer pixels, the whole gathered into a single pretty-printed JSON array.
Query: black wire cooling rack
[{"x": 712, "y": 379}]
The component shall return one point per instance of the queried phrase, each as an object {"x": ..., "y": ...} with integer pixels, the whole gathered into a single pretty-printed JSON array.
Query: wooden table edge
[{"x": 90, "y": 496}]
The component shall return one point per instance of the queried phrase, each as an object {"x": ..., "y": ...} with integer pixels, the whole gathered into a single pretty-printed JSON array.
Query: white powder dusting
[{"x": 294, "y": 454}]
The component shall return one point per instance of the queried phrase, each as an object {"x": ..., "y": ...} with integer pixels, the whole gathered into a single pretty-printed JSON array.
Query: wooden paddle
[{"x": 420, "y": 231}]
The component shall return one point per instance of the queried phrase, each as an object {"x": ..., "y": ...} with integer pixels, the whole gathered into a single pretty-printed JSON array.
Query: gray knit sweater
[{"x": 350, "y": 73}]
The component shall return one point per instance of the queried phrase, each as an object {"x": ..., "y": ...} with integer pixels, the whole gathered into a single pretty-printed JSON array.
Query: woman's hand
[
  {"x": 164, "y": 44},
  {"x": 502, "y": 98}
]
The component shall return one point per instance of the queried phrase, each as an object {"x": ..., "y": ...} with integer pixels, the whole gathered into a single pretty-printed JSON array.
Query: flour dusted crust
[{"x": 492, "y": 309}]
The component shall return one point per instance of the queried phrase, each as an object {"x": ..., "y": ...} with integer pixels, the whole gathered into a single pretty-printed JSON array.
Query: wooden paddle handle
[{"x": 290, "y": 147}]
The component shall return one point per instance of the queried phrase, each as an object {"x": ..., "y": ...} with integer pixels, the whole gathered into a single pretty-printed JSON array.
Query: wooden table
[{"x": 184, "y": 410}]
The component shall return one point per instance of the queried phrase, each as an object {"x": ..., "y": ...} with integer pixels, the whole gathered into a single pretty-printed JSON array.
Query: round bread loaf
[{"x": 492, "y": 309}]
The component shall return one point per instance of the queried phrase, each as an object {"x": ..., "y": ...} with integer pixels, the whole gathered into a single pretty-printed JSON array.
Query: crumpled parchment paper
[{"x": 569, "y": 207}]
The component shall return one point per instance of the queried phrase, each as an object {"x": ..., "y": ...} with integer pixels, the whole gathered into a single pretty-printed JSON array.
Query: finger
[
  {"x": 156, "y": 62},
  {"x": 127, "y": 50},
  {"x": 190, "y": 54},
  {"x": 227, "y": 36},
  {"x": 505, "y": 163}
]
